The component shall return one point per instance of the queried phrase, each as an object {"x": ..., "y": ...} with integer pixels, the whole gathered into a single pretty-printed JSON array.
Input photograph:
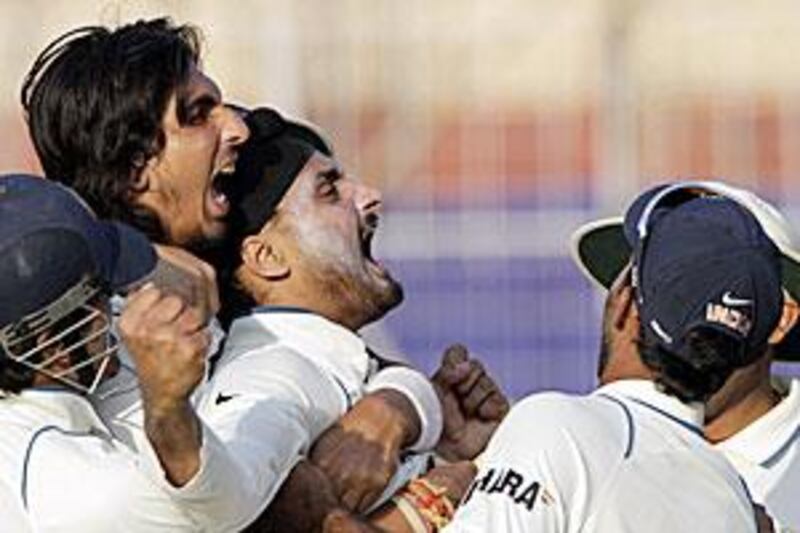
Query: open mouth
[
  {"x": 367, "y": 235},
  {"x": 218, "y": 197}
]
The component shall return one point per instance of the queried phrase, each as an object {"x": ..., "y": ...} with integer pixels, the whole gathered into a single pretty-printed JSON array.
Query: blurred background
[{"x": 494, "y": 128}]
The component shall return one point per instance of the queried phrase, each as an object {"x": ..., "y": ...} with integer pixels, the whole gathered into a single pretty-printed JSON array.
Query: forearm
[
  {"x": 174, "y": 433},
  {"x": 419, "y": 392},
  {"x": 404, "y": 414},
  {"x": 384, "y": 521},
  {"x": 302, "y": 504},
  {"x": 423, "y": 504}
]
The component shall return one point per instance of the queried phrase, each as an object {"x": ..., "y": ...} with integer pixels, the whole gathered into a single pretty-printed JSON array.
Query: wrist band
[
  {"x": 430, "y": 503},
  {"x": 418, "y": 389},
  {"x": 411, "y": 515}
]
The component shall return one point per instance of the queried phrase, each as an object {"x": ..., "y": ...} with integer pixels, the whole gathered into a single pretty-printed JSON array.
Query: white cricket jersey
[
  {"x": 285, "y": 376},
  {"x": 626, "y": 458},
  {"x": 767, "y": 455},
  {"x": 13, "y": 515},
  {"x": 117, "y": 399},
  {"x": 67, "y": 473}
]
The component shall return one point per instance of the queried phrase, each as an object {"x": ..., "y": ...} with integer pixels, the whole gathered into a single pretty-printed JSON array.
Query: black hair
[
  {"x": 711, "y": 358},
  {"x": 14, "y": 377},
  {"x": 269, "y": 162},
  {"x": 94, "y": 101}
]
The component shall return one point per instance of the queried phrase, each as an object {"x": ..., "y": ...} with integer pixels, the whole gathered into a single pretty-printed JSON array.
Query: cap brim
[
  {"x": 130, "y": 256},
  {"x": 789, "y": 348},
  {"x": 600, "y": 251}
]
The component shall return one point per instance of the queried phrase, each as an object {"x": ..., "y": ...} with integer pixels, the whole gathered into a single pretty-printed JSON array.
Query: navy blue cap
[
  {"x": 702, "y": 262},
  {"x": 50, "y": 240}
]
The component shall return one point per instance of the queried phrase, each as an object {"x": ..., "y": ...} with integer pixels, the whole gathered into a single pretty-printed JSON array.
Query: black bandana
[{"x": 268, "y": 164}]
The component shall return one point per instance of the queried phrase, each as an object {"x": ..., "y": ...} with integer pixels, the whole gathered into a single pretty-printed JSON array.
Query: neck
[
  {"x": 743, "y": 412},
  {"x": 624, "y": 362},
  {"x": 278, "y": 296}
]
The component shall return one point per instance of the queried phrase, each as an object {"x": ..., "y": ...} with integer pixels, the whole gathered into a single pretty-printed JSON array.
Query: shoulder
[
  {"x": 542, "y": 464},
  {"x": 270, "y": 378},
  {"x": 553, "y": 415},
  {"x": 252, "y": 351},
  {"x": 565, "y": 431}
]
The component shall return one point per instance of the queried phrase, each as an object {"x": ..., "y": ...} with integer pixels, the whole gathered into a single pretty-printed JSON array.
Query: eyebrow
[
  {"x": 330, "y": 174},
  {"x": 187, "y": 103}
]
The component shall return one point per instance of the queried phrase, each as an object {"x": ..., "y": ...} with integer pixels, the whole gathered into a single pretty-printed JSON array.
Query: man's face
[
  {"x": 84, "y": 335},
  {"x": 327, "y": 221},
  {"x": 180, "y": 184}
]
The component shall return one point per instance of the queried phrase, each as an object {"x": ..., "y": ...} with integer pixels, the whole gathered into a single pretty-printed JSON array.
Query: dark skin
[
  {"x": 473, "y": 406},
  {"x": 620, "y": 339},
  {"x": 620, "y": 352},
  {"x": 310, "y": 255},
  {"x": 360, "y": 468},
  {"x": 748, "y": 394},
  {"x": 324, "y": 513},
  {"x": 163, "y": 327},
  {"x": 621, "y": 361},
  {"x": 167, "y": 340},
  {"x": 360, "y": 453}
]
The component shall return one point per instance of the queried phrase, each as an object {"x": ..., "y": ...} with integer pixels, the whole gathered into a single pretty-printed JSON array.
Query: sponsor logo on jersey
[{"x": 511, "y": 484}]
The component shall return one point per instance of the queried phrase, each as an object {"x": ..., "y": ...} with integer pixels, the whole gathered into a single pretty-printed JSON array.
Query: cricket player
[
  {"x": 755, "y": 418},
  {"x": 298, "y": 284},
  {"x": 62, "y": 469},
  {"x": 128, "y": 118},
  {"x": 701, "y": 298}
]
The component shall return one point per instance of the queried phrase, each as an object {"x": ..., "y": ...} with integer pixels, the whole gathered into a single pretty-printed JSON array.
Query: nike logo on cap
[{"x": 733, "y": 301}]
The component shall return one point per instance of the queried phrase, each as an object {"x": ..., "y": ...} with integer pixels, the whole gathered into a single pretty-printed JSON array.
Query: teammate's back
[{"x": 626, "y": 458}]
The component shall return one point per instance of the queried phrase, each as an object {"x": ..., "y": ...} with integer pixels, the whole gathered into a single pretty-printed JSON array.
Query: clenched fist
[{"x": 168, "y": 340}]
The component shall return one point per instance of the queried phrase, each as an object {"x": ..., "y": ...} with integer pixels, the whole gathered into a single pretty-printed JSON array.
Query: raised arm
[{"x": 168, "y": 342}]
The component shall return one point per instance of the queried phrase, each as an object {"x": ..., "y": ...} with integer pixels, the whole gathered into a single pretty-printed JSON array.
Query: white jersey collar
[
  {"x": 331, "y": 344},
  {"x": 765, "y": 437},
  {"x": 55, "y": 405},
  {"x": 647, "y": 394}
]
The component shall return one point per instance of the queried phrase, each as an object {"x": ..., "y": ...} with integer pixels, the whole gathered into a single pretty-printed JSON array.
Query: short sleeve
[
  {"x": 267, "y": 408},
  {"x": 531, "y": 475}
]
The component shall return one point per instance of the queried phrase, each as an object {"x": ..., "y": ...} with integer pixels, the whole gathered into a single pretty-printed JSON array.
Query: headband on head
[{"x": 268, "y": 164}]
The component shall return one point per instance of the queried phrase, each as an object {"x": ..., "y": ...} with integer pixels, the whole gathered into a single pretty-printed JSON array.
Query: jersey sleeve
[
  {"x": 218, "y": 497},
  {"x": 267, "y": 408},
  {"x": 14, "y": 517},
  {"x": 532, "y": 476},
  {"x": 419, "y": 391}
]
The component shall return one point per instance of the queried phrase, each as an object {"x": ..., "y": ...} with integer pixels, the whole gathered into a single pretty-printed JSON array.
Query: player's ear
[
  {"x": 262, "y": 257},
  {"x": 788, "y": 319},
  {"x": 140, "y": 178}
]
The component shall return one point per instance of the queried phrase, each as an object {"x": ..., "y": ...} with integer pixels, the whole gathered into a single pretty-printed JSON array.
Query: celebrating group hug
[{"x": 181, "y": 295}]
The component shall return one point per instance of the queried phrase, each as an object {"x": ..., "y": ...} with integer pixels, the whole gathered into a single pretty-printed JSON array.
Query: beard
[
  {"x": 208, "y": 246},
  {"x": 360, "y": 299},
  {"x": 341, "y": 274}
]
